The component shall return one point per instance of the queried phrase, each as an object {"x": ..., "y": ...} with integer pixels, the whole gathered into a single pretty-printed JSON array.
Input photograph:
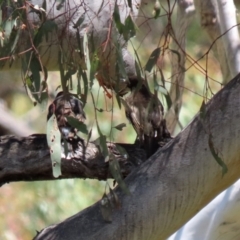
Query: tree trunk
[{"x": 174, "y": 184}]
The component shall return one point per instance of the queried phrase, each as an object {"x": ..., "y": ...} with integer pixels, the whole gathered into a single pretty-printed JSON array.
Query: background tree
[{"x": 36, "y": 60}]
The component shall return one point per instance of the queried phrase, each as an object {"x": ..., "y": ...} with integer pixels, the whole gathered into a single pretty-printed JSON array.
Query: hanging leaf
[
  {"x": 47, "y": 27},
  {"x": 114, "y": 198},
  {"x": 216, "y": 156},
  {"x": 85, "y": 86},
  {"x": 44, "y": 101},
  {"x": 54, "y": 143},
  {"x": 102, "y": 143},
  {"x": 116, "y": 173},
  {"x": 118, "y": 100},
  {"x": 60, "y": 4},
  {"x": 89, "y": 136},
  {"x": 120, "y": 126},
  {"x": 152, "y": 59},
  {"x": 80, "y": 126},
  {"x": 166, "y": 94},
  {"x": 138, "y": 71},
  {"x": 106, "y": 208},
  {"x": 79, "y": 21},
  {"x": 122, "y": 151},
  {"x": 29, "y": 91},
  {"x": 93, "y": 69},
  {"x": 35, "y": 68},
  {"x": 203, "y": 110},
  {"x": 117, "y": 19},
  {"x": 157, "y": 9},
  {"x": 129, "y": 28}
]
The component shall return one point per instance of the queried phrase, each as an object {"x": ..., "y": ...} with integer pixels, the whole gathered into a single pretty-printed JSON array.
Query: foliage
[{"x": 148, "y": 48}]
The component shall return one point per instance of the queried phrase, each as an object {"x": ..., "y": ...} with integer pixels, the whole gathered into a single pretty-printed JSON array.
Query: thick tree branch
[
  {"x": 28, "y": 159},
  {"x": 174, "y": 184}
]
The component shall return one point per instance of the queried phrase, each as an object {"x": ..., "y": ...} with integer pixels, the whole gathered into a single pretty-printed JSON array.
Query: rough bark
[
  {"x": 174, "y": 184},
  {"x": 28, "y": 159}
]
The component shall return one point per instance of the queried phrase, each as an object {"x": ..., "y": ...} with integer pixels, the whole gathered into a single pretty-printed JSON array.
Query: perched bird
[
  {"x": 66, "y": 105},
  {"x": 145, "y": 112}
]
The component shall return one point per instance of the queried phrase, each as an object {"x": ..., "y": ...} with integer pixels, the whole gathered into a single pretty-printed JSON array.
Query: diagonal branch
[{"x": 174, "y": 184}]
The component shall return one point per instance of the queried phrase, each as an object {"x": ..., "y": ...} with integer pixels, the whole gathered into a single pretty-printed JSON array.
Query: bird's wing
[{"x": 135, "y": 119}]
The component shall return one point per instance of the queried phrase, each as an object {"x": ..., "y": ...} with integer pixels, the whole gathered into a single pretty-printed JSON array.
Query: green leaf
[
  {"x": 152, "y": 59},
  {"x": 80, "y": 126},
  {"x": 106, "y": 208},
  {"x": 138, "y": 70},
  {"x": 203, "y": 110},
  {"x": 44, "y": 101},
  {"x": 93, "y": 69},
  {"x": 122, "y": 151},
  {"x": 114, "y": 198},
  {"x": 47, "y": 27},
  {"x": 85, "y": 84},
  {"x": 35, "y": 68},
  {"x": 117, "y": 19},
  {"x": 54, "y": 143},
  {"x": 116, "y": 173},
  {"x": 89, "y": 136},
  {"x": 118, "y": 100},
  {"x": 216, "y": 156},
  {"x": 157, "y": 9},
  {"x": 102, "y": 142},
  {"x": 30, "y": 95},
  {"x": 79, "y": 21},
  {"x": 60, "y": 4},
  {"x": 129, "y": 28},
  {"x": 166, "y": 94},
  {"x": 120, "y": 126}
]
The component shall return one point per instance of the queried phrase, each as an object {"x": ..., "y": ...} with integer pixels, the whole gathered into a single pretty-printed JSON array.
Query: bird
[
  {"x": 146, "y": 114},
  {"x": 66, "y": 105}
]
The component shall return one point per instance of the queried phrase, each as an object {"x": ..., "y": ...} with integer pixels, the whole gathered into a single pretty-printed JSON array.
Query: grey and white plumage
[
  {"x": 66, "y": 105},
  {"x": 145, "y": 112}
]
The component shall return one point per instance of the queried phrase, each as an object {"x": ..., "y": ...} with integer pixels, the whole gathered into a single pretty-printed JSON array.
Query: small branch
[{"x": 28, "y": 159}]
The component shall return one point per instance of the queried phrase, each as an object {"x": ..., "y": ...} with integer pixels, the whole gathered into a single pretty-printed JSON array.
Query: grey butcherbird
[
  {"x": 66, "y": 105},
  {"x": 145, "y": 112}
]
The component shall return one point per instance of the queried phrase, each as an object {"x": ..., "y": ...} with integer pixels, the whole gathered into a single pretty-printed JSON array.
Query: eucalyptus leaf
[
  {"x": 122, "y": 151},
  {"x": 54, "y": 143},
  {"x": 216, "y": 156},
  {"x": 116, "y": 173},
  {"x": 152, "y": 59},
  {"x": 117, "y": 19},
  {"x": 203, "y": 110},
  {"x": 79, "y": 21},
  {"x": 80, "y": 126},
  {"x": 129, "y": 28},
  {"x": 47, "y": 27},
  {"x": 120, "y": 126},
  {"x": 106, "y": 208},
  {"x": 101, "y": 141}
]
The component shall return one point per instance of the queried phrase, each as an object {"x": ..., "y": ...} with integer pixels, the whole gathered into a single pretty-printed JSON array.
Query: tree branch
[
  {"x": 174, "y": 184},
  {"x": 28, "y": 159}
]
